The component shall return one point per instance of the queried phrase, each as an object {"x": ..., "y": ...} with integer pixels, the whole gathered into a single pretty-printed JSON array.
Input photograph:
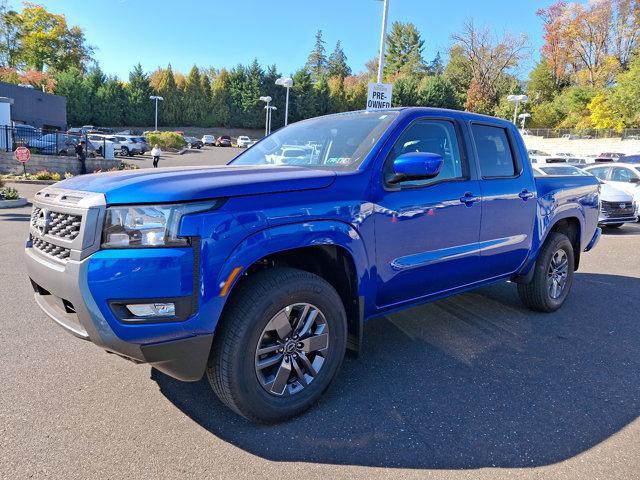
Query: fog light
[{"x": 152, "y": 309}]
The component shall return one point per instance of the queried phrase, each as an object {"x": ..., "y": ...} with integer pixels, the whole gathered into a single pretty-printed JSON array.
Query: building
[{"x": 36, "y": 108}]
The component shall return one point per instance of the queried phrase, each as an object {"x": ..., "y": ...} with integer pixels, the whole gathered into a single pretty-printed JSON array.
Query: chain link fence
[
  {"x": 42, "y": 142},
  {"x": 575, "y": 134}
]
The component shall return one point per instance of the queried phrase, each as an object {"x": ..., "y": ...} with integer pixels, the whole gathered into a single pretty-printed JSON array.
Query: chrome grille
[
  {"x": 61, "y": 225},
  {"x": 56, "y": 251},
  {"x": 617, "y": 209}
]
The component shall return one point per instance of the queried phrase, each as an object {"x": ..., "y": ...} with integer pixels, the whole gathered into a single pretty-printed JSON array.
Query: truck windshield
[{"x": 337, "y": 142}]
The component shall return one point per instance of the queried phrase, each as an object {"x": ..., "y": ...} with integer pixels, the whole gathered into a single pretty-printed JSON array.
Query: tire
[
  {"x": 233, "y": 370},
  {"x": 538, "y": 294},
  {"x": 613, "y": 225},
  {"x": 124, "y": 151},
  {"x": 62, "y": 153}
]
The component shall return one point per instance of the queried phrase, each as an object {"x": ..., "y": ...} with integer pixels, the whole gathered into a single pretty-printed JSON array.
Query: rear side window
[
  {"x": 494, "y": 151},
  {"x": 620, "y": 174}
]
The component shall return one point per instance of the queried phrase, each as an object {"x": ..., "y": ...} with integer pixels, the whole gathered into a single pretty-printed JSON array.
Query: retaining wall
[{"x": 51, "y": 163}]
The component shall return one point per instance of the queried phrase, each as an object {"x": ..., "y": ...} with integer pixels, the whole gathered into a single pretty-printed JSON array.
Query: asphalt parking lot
[
  {"x": 474, "y": 386},
  {"x": 197, "y": 157}
]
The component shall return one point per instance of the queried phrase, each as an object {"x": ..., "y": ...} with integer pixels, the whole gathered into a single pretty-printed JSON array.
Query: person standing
[
  {"x": 81, "y": 155},
  {"x": 155, "y": 153}
]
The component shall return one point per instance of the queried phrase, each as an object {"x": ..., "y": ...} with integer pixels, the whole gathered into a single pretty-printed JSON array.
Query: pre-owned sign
[{"x": 379, "y": 96}]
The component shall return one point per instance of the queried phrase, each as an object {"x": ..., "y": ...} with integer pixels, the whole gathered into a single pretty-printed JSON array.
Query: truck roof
[{"x": 444, "y": 112}]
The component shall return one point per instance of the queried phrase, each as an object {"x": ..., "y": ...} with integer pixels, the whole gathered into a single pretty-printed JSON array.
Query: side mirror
[
  {"x": 415, "y": 166},
  {"x": 635, "y": 180}
]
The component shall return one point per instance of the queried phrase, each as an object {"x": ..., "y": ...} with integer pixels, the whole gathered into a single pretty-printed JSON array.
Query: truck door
[
  {"x": 427, "y": 231},
  {"x": 508, "y": 200}
]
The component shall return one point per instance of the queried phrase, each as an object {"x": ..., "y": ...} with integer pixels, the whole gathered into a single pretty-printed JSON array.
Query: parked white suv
[
  {"x": 243, "y": 141},
  {"x": 100, "y": 141},
  {"x": 129, "y": 145},
  {"x": 209, "y": 139}
]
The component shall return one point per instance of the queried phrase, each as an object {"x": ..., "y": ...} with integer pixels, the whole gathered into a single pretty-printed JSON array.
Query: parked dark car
[
  {"x": 60, "y": 144},
  {"x": 223, "y": 141},
  {"x": 193, "y": 142}
]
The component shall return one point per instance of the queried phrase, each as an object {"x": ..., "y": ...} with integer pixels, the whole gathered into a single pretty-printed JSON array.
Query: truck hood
[{"x": 179, "y": 184}]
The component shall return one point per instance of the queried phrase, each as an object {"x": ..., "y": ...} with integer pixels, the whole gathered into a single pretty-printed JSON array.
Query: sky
[{"x": 222, "y": 33}]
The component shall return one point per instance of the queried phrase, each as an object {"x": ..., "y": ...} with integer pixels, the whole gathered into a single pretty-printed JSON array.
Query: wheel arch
[{"x": 330, "y": 249}]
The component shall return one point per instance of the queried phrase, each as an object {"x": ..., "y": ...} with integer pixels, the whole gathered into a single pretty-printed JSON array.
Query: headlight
[{"x": 148, "y": 225}]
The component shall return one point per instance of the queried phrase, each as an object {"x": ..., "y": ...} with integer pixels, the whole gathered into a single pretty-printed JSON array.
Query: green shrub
[
  {"x": 68, "y": 175},
  {"x": 166, "y": 140},
  {"x": 43, "y": 175},
  {"x": 1, "y": 183},
  {"x": 56, "y": 176},
  {"x": 9, "y": 193}
]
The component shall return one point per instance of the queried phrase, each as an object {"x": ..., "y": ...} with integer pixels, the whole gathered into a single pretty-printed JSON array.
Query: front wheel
[
  {"x": 553, "y": 275},
  {"x": 124, "y": 151},
  {"x": 279, "y": 345}
]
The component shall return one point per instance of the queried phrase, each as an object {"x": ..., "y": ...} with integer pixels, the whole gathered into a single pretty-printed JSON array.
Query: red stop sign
[{"x": 22, "y": 154}]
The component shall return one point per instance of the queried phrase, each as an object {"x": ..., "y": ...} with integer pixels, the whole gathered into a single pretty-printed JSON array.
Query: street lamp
[
  {"x": 523, "y": 118},
  {"x": 267, "y": 100},
  {"x": 517, "y": 99},
  {"x": 156, "y": 98},
  {"x": 286, "y": 83},
  {"x": 383, "y": 35},
  {"x": 269, "y": 109}
]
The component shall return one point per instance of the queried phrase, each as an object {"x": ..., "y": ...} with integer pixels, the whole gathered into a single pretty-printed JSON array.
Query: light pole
[
  {"x": 517, "y": 99},
  {"x": 286, "y": 83},
  {"x": 269, "y": 108},
  {"x": 267, "y": 100},
  {"x": 156, "y": 98},
  {"x": 523, "y": 118},
  {"x": 383, "y": 35}
]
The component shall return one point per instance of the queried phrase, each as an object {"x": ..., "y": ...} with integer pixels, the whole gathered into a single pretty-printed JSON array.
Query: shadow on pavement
[
  {"x": 626, "y": 229},
  {"x": 15, "y": 217},
  {"x": 467, "y": 382}
]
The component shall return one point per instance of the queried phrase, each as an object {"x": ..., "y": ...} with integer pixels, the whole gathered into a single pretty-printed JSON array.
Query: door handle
[
  {"x": 525, "y": 195},
  {"x": 469, "y": 199}
]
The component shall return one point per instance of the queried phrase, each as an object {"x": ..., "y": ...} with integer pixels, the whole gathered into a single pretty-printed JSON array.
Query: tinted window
[
  {"x": 494, "y": 151},
  {"x": 620, "y": 174},
  {"x": 430, "y": 136},
  {"x": 599, "y": 172}
]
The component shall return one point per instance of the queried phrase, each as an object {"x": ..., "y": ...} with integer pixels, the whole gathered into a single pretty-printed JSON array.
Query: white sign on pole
[{"x": 379, "y": 96}]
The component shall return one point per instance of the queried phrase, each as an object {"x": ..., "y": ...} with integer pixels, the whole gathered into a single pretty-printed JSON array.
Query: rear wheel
[
  {"x": 553, "y": 275},
  {"x": 279, "y": 345}
]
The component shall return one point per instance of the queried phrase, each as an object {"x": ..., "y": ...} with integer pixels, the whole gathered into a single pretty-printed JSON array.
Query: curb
[
  {"x": 20, "y": 202},
  {"x": 31, "y": 182}
]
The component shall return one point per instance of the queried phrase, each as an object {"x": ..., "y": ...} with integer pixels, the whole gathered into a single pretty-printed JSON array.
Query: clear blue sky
[{"x": 224, "y": 33}]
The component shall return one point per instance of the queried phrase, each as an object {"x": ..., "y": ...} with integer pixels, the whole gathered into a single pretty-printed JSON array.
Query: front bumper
[
  {"x": 76, "y": 292},
  {"x": 602, "y": 220}
]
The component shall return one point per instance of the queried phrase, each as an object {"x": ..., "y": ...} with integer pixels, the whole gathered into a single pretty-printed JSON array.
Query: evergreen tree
[
  {"x": 139, "y": 109},
  {"x": 111, "y": 99},
  {"x": 404, "y": 50},
  {"x": 236, "y": 86},
  {"x": 436, "y": 67},
  {"x": 437, "y": 92},
  {"x": 316, "y": 64},
  {"x": 194, "y": 99},
  {"x": 169, "y": 111},
  {"x": 300, "y": 106},
  {"x": 405, "y": 91},
  {"x": 70, "y": 84},
  {"x": 252, "y": 106},
  {"x": 321, "y": 96},
  {"x": 337, "y": 64},
  {"x": 221, "y": 99},
  {"x": 93, "y": 81},
  {"x": 207, "y": 119}
]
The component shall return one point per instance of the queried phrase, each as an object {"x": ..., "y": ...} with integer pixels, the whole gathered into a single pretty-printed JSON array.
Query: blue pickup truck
[{"x": 261, "y": 273}]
